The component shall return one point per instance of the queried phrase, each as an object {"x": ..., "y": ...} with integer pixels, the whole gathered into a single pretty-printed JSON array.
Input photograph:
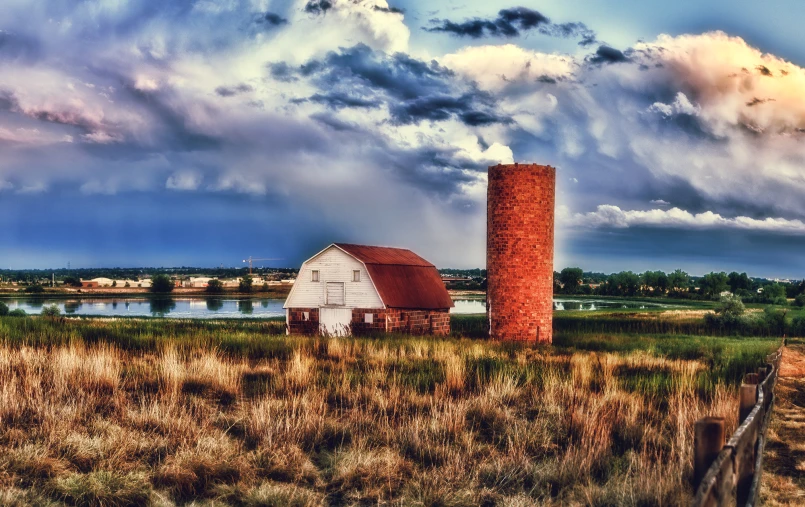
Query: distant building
[
  {"x": 359, "y": 289},
  {"x": 198, "y": 281}
]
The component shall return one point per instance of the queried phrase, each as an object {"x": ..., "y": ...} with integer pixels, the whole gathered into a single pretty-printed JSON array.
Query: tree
[
  {"x": 713, "y": 284},
  {"x": 161, "y": 284},
  {"x": 51, "y": 311},
  {"x": 34, "y": 289},
  {"x": 774, "y": 293},
  {"x": 678, "y": 281},
  {"x": 656, "y": 281},
  {"x": 738, "y": 281},
  {"x": 3, "y": 309},
  {"x": 570, "y": 278},
  {"x": 215, "y": 286},
  {"x": 17, "y": 312},
  {"x": 114, "y": 283},
  {"x": 245, "y": 285},
  {"x": 798, "y": 301},
  {"x": 72, "y": 281},
  {"x": 624, "y": 283}
]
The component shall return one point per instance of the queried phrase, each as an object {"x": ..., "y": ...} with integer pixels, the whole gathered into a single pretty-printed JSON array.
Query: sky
[{"x": 199, "y": 132}]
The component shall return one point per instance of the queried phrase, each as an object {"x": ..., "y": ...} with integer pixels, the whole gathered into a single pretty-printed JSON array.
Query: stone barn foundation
[{"x": 519, "y": 252}]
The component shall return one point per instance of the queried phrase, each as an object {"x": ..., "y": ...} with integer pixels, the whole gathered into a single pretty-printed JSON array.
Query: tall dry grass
[{"x": 340, "y": 421}]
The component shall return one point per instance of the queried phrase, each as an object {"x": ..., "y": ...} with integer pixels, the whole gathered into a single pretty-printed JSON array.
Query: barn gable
[
  {"x": 402, "y": 278},
  {"x": 335, "y": 266}
]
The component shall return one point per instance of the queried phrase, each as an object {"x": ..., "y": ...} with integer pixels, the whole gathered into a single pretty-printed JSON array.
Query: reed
[{"x": 134, "y": 412}]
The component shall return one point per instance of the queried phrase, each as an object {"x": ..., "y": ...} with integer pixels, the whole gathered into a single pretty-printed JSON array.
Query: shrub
[
  {"x": 730, "y": 307},
  {"x": 245, "y": 284},
  {"x": 799, "y": 300},
  {"x": 3, "y": 309},
  {"x": 161, "y": 284},
  {"x": 34, "y": 289},
  {"x": 774, "y": 320},
  {"x": 215, "y": 286},
  {"x": 51, "y": 311},
  {"x": 798, "y": 326},
  {"x": 19, "y": 312}
]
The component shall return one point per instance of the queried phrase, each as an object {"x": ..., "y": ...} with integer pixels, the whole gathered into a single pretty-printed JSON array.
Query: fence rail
[{"x": 730, "y": 474}]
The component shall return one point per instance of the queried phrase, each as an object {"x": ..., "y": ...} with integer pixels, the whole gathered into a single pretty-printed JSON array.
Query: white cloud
[
  {"x": 607, "y": 215},
  {"x": 183, "y": 180}
]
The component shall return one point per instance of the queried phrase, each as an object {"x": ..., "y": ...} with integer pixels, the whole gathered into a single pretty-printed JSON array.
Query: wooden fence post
[
  {"x": 748, "y": 398},
  {"x": 708, "y": 440}
]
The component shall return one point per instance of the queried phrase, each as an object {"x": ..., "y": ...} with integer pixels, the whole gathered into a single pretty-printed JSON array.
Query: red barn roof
[{"x": 402, "y": 278}]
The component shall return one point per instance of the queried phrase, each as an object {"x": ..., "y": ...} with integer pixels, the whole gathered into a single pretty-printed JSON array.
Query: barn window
[
  {"x": 315, "y": 275},
  {"x": 356, "y": 275},
  {"x": 305, "y": 315},
  {"x": 368, "y": 318}
]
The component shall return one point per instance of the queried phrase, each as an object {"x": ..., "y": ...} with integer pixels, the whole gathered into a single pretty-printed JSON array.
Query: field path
[{"x": 783, "y": 480}]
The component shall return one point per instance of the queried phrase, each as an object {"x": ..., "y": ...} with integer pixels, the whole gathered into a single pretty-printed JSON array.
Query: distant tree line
[
  {"x": 73, "y": 277},
  {"x": 678, "y": 284}
]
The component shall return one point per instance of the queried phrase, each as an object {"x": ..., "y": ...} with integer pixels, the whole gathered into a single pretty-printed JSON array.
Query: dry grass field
[{"x": 172, "y": 415}]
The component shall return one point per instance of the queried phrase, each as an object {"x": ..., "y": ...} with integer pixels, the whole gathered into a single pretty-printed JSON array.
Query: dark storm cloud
[
  {"x": 8, "y": 102},
  {"x": 271, "y": 19},
  {"x": 281, "y": 71},
  {"x": 171, "y": 123},
  {"x": 335, "y": 123},
  {"x": 755, "y": 101},
  {"x": 764, "y": 70},
  {"x": 414, "y": 90},
  {"x": 606, "y": 54},
  {"x": 227, "y": 91},
  {"x": 19, "y": 47},
  {"x": 511, "y": 23},
  {"x": 440, "y": 108},
  {"x": 340, "y": 100},
  {"x": 388, "y": 10},
  {"x": 437, "y": 171},
  {"x": 318, "y": 7}
]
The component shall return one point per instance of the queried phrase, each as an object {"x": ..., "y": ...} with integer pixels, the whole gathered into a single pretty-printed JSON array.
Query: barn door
[
  {"x": 335, "y": 321},
  {"x": 335, "y": 294}
]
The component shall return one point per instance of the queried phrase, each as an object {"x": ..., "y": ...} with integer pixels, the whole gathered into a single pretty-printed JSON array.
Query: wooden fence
[{"x": 730, "y": 474}]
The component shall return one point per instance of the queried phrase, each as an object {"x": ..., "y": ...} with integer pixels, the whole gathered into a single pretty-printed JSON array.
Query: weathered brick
[{"x": 520, "y": 232}]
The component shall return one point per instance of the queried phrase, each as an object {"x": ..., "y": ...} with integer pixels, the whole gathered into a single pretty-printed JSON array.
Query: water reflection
[
  {"x": 475, "y": 306},
  {"x": 162, "y": 306},
  {"x": 174, "y": 307},
  {"x": 72, "y": 306},
  {"x": 214, "y": 304}
]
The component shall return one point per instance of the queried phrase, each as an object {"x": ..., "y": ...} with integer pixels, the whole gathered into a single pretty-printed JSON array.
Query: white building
[{"x": 356, "y": 288}]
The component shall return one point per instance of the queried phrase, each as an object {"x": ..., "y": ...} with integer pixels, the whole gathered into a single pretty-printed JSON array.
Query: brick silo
[{"x": 519, "y": 252}]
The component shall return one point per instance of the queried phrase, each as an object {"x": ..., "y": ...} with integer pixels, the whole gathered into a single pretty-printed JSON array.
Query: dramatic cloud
[
  {"x": 271, "y": 19},
  {"x": 320, "y": 117},
  {"x": 612, "y": 216},
  {"x": 412, "y": 90},
  {"x": 318, "y": 6},
  {"x": 511, "y": 23}
]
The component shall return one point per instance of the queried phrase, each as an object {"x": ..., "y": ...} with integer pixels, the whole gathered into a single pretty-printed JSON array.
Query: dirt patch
[
  {"x": 783, "y": 480},
  {"x": 793, "y": 362}
]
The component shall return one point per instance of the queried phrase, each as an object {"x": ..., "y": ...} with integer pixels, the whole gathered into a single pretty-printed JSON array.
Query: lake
[{"x": 208, "y": 308}]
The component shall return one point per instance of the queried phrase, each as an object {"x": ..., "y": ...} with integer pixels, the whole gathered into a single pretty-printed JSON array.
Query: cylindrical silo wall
[{"x": 519, "y": 251}]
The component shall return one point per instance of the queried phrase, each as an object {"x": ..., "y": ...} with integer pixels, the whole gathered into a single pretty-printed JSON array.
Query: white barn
[{"x": 360, "y": 289}]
